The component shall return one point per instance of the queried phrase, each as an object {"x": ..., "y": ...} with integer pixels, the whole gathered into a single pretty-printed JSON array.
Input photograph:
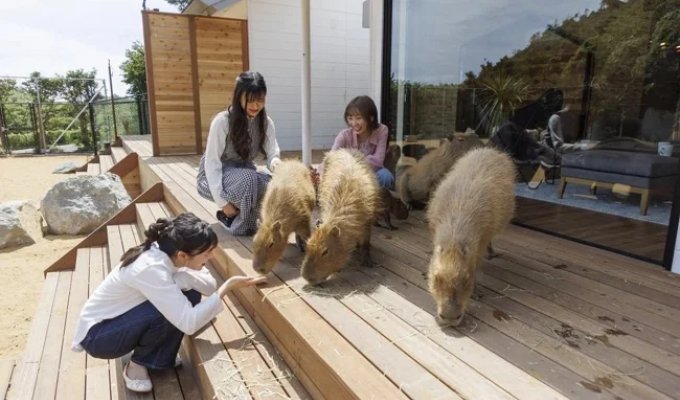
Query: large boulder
[
  {"x": 78, "y": 205},
  {"x": 19, "y": 224}
]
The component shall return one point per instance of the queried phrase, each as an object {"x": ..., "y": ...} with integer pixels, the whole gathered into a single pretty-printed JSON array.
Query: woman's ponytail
[
  {"x": 185, "y": 233},
  {"x": 153, "y": 233}
]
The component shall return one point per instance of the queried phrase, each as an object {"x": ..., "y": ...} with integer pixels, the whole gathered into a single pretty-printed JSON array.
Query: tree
[
  {"x": 181, "y": 4},
  {"x": 7, "y": 87},
  {"x": 79, "y": 87},
  {"x": 134, "y": 70},
  {"x": 46, "y": 91}
]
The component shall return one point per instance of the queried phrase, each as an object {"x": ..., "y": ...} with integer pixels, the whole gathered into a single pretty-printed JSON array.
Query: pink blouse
[{"x": 373, "y": 148}]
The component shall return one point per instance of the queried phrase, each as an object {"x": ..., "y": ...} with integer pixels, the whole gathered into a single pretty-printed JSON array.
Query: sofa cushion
[{"x": 622, "y": 162}]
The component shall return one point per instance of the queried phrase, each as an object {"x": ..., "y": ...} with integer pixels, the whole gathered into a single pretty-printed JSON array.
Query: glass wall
[{"x": 583, "y": 94}]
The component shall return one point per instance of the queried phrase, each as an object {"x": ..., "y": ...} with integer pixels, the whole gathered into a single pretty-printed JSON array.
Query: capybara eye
[
  {"x": 324, "y": 253},
  {"x": 271, "y": 244}
]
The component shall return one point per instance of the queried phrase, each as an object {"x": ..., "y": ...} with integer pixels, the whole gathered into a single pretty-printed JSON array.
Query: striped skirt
[{"x": 243, "y": 187}]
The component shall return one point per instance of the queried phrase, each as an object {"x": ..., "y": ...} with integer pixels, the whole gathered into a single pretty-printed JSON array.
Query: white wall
[{"x": 340, "y": 64}]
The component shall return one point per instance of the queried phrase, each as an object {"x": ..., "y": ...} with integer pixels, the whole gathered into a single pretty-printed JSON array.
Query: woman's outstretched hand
[{"x": 240, "y": 281}]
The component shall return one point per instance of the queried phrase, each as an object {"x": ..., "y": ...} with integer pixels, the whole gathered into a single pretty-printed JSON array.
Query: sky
[{"x": 53, "y": 37}]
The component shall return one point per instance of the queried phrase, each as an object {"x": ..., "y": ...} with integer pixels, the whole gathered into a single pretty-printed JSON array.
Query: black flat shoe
[{"x": 222, "y": 217}]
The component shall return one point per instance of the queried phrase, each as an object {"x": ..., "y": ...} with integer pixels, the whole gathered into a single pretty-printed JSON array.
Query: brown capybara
[
  {"x": 286, "y": 207},
  {"x": 473, "y": 203},
  {"x": 416, "y": 183},
  {"x": 349, "y": 197}
]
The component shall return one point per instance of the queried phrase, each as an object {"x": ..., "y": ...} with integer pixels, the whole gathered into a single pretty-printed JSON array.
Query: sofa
[{"x": 642, "y": 172}]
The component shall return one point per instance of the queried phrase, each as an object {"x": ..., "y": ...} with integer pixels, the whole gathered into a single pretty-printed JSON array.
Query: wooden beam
[{"x": 150, "y": 83}]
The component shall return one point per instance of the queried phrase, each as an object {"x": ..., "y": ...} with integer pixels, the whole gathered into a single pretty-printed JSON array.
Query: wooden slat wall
[
  {"x": 191, "y": 64},
  {"x": 220, "y": 58}
]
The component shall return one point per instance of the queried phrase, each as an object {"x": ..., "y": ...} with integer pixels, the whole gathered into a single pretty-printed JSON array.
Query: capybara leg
[
  {"x": 301, "y": 236},
  {"x": 300, "y": 243},
  {"x": 490, "y": 253},
  {"x": 365, "y": 255},
  {"x": 385, "y": 219}
]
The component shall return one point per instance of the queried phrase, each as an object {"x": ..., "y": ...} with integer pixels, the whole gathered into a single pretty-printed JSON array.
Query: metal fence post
[{"x": 90, "y": 108}]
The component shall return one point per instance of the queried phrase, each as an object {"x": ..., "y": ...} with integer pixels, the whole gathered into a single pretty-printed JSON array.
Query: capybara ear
[
  {"x": 277, "y": 226},
  {"x": 450, "y": 137},
  {"x": 335, "y": 231},
  {"x": 258, "y": 222}
]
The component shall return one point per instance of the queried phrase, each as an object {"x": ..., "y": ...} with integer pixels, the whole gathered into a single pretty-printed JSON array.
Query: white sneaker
[{"x": 136, "y": 385}]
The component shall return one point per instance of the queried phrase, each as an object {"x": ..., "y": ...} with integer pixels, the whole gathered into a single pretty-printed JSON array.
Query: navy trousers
[{"x": 143, "y": 330}]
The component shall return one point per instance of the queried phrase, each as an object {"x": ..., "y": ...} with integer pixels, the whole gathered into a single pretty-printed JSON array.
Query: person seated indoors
[
  {"x": 152, "y": 298},
  {"x": 520, "y": 145}
]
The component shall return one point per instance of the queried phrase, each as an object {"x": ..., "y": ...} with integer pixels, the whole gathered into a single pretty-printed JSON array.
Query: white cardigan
[
  {"x": 214, "y": 148},
  {"x": 154, "y": 277}
]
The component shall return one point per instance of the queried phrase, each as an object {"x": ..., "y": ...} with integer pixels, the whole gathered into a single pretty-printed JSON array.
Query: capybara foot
[{"x": 300, "y": 243}]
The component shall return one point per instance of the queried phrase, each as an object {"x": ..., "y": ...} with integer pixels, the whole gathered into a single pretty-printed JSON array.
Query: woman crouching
[{"x": 152, "y": 298}]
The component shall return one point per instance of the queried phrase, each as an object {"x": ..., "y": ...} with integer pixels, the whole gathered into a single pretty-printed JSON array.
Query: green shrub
[{"x": 23, "y": 140}]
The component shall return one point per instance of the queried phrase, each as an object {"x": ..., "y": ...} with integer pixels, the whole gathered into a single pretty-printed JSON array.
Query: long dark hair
[
  {"x": 366, "y": 107},
  {"x": 186, "y": 233},
  {"x": 253, "y": 86}
]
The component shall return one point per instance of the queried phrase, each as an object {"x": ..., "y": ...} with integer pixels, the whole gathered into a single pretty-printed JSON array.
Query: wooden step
[
  {"x": 118, "y": 153},
  {"x": 231, "y": 356},
  {"x": 6, "y": 369},
  {"x": 178, "y": 383},
  {"x": 105, "y": 162},
  {"x": 93, "y": 168}
]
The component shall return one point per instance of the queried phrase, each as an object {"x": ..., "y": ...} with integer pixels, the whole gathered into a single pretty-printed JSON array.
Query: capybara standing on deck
[
  {"x": 286, "y": 207},
  {"x": 416, "y": 183},
  {"x": 474, "y": 202},
  {"x": 349, "y": 196}
]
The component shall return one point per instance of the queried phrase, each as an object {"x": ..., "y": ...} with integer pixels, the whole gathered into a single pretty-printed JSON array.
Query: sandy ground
[{"x": 27, "y": 178}]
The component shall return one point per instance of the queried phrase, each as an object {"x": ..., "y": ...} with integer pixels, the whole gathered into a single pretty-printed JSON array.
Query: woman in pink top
[{"x": 367, "y": 135}]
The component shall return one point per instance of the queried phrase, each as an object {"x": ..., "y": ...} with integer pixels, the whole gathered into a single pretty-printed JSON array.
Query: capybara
[
  {"x": 286, "y": 207},
  {"x": 416, "y": 183},
  {"x": 349, "y": 197},
  {"x": 473, "y": 203}
]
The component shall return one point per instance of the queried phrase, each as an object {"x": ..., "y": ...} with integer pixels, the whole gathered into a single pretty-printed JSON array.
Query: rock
[
  {"x": 66, "y": 168},
  {"x": 80, "y": 204},
  {"x": 19, "y": 224}
]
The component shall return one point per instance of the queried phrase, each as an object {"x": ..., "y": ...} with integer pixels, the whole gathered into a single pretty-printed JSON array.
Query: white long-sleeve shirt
[
  {"x": 154, "y": 277},
  {"x": 216, "y": 144}
]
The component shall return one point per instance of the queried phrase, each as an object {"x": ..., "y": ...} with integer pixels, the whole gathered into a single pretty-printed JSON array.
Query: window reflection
[{"x": 579, "y": 76}]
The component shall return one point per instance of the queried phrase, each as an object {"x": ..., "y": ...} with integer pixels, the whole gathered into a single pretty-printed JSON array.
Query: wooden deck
[
  {"x": 551, "y": 318},
  {"x": 636, "y": 238}
]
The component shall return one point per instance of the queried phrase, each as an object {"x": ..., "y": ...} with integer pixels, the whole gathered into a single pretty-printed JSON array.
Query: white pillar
[
  {"x": 401, "y": 75},
  {"x": 376, "y": 11},
  {"x": 306, "y": 87}
]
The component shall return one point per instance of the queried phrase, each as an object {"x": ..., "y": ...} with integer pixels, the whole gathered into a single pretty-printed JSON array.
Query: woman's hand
[{"x": 240, "y": 281}]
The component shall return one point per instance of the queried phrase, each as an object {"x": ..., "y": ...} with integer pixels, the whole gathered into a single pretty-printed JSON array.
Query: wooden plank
[
  {"x": 48, "y": 371},
  {"x": 195, "y": 85},
  {"x": 118, "y": 153},
  {"x": 6, "y": 368},
  {"x": 166, "y": 384},
  {"x": 71, "y": 382},
  {"x": 93, "y": 169},
  {"x": 260, "y": 380},
  {"x": 621, "y": 353},
  {"x": 26, "y": 372},
  {"x": 187, "y": 381},
  {"x": 98, "y": 384},
  {"x": 105, "y": 162}
]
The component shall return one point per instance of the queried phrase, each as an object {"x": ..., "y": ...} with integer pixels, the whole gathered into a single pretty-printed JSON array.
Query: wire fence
[{"x": 68, "y": 127}]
